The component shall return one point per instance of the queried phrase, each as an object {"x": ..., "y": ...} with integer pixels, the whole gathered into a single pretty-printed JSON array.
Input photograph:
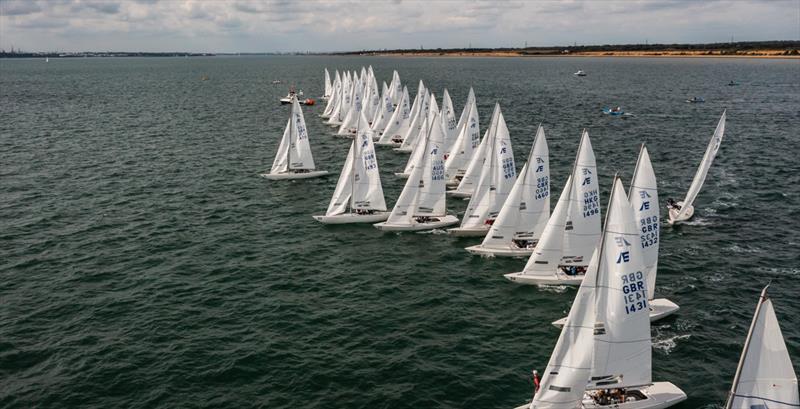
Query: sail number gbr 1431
[{"x": 635, "y": 292}]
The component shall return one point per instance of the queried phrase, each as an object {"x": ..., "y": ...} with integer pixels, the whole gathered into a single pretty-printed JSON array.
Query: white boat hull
[
  {"x": 469, "y": 231},
  {"x": 686, "y": 216},
  {"x": 557, "y": 278},
  {"x": 401, "y": 149},
  {"x": 659, "y": 308},
  {"x": 401, "y": 175},
  {"x": 293, "y": 175},
  {"x": 456, "y": 193},
  {"x": 387, "y": 144},
  {"x": 479, "y": 250},
  {"x": 441, "y": 222},
  {"x": 348, "y": 218},
  {"x": 659, "y": 395}
]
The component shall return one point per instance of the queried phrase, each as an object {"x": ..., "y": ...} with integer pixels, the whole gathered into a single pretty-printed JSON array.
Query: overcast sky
[{"x": 301, "y": 25}]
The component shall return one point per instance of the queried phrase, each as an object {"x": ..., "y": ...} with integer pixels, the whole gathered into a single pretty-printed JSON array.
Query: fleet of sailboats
[
  {"x": 520, "y": 222},
  {"x": 605, "y": 343},
  {"x": 603, "y": 355}
]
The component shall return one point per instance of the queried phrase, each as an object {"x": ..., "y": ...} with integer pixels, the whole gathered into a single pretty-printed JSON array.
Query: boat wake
[
  {"x": 557, "y": 289},
  {"x": 667, "y": 345},
  {"x": 433, "y": 231}
]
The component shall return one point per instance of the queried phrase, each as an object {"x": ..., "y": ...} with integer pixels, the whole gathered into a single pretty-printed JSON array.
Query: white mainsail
[
  {"x": 351, "y": 120},
  {"x": 525, "y": 213},
  {"x": 448, "y": 122},
  {"x": 467, "y": 141},
  {"x": 328, "y": 88},
  {"x": 431, "y": 198},
  {"x": 582, "y": 230},
  {"x": 547, "y": 254},
  {"x": 702, "y": 171},
  {"x": 400, "y": 120},
  {"x": 497, "y": 177},
  {"x": 622, "y": 348},
  {"x": 764, "y": 377},
  {"x": 644, "y": 200},
  {"x": 331, "y": 96}
]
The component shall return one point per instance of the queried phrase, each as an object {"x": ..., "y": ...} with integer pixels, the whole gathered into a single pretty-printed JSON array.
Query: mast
[
  {"x": 353, "y": 168},
  {"x": 635, "y": 171},
  {"x": 291, "y": 139},
  {"x": 735, "y": 386}
]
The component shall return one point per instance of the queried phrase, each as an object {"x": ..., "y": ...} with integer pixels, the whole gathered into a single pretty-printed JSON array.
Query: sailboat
[
  {"x": 359, "y": 186},
  {"x": 497, "y": 178},
  {"x": 573, "y": 230},
  {"x": 427, "y": 105},
  {"x": 471, "y": 176},
  {"x": 606, "y": 342},
  {"x": 421, "y": 205},
  {"x": 399, "y": 122},
  {"x": 333, "y": 99},
  {"x": 417, "y": 156},
  {"x": 467, "y": 141},
  {"x": 764, "y": 377},
  {"x": 684, "y": 210},
  {"x": 524, "y": 214},
  {"x": 643, "y": 196},
  {"x": 294, "y": 159}
]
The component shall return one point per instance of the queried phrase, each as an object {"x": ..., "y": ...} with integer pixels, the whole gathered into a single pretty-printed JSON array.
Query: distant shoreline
[
  {"x": 743, "y": 49},
  {"x": 768, "y": 54}
]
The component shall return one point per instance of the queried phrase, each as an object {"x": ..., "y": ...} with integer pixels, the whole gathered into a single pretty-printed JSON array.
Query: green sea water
[{"x": 143, "y": 263}]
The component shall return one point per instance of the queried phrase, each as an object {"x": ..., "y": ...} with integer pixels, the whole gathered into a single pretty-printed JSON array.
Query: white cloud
[{"x": 325, "y": 25}]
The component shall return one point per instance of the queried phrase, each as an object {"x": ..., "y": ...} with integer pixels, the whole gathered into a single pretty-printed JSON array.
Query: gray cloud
[
  {"x": 18, "y": 8},
  {"x": 324, "y": 25}
]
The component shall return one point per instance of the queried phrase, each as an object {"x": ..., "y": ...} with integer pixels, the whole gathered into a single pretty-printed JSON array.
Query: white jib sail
[
  {"x": 418, "y": 154},
  {"x": 582, "y": 231},
  {"x": 367, "y": 188},
  {"x": 372, "y": 99},
  {"x": 431, "y": 199},
  {"x": 765, "y": 377},
  {"x": 622, "y": 347},
  {"x": 336, "y": 114},
  {"x": 564, "y": 380},
  {"x": 395, "y": 88},
  {"x": 643, "y": 196},
  {"x": 524, "y": 214},
  {"x": 466, "y": 111},
  {"x": 547, "y": 254},
  {"x": 473, "y": 172},
  {"x": 400, "y": 120},
  {"x": 300, "y": 150},
  {"x": 497, "y": 177},
  {"x": 705, "y": 164},
  {"x": 415, "y": 128},
  {"x": 384, "y": 111},
  {"x": 467, "y": 141},
  {"x": 332, "y": 97},
  {"x": 281, "y": 162},
  {"x": 344, "y": 187},
  {"x": 449, "y": 123}
]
